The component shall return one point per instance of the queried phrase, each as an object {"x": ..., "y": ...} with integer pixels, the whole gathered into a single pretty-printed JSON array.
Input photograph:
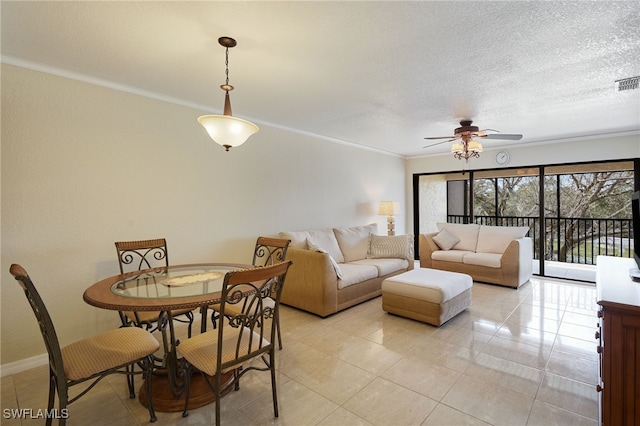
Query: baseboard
[{"x": 23, "y": 365}]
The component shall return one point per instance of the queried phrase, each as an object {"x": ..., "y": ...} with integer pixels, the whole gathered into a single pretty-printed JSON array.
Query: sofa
[
  {"x": 336, "y": 268},
  {"x": 491, "y": 254}
]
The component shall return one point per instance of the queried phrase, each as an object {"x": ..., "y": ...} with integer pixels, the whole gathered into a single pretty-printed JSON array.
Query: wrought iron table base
[{"x": 166, "y": 402}]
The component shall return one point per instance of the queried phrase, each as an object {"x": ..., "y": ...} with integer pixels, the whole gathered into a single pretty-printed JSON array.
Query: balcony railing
[{"x": 569, "y": 239}]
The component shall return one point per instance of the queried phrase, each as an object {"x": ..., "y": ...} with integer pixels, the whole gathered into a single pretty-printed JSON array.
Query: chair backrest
[
  {"x": 269, "y": 251},
  {"x": 44, "y": 320},
  {"x": 143, "y": 254},
  {"x": 253, "y": 330}
]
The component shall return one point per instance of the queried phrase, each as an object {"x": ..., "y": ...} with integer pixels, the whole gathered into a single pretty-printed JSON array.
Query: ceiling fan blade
[
  {"x": 482, "y": 133},
  {"x": 504, "y": 136},
  {"x": 443, "y": 137},
  {"x": 437, "y": 143}
]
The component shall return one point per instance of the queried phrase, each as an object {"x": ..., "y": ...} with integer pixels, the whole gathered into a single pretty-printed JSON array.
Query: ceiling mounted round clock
[{"x": 502, "y": 158}]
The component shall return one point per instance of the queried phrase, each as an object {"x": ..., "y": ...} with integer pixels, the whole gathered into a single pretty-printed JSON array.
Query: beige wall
[{"x": 84, "y": 166}]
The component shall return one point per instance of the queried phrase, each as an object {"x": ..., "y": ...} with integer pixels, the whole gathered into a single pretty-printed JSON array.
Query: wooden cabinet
[{"x": 619, "y": 342}]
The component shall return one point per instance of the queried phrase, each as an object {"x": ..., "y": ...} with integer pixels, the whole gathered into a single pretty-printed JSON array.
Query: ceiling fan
[{"x": 464, "y": 145}]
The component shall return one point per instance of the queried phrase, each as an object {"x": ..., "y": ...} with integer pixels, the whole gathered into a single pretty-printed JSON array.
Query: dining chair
[
  {"x": 146, "y": 254},
  {"x": 267, "y": 251},
  {"x": 89, "y": 359},
  {"x": 248, "y": 335}
]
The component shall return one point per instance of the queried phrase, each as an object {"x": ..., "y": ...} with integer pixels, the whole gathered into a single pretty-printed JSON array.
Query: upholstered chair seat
[{"x": 105, "y": 351}]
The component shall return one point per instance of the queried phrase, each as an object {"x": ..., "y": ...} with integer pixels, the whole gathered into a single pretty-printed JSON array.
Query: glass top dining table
[
  {"x": 166, "y": 289},
  {"x": 161, "y": 289}
]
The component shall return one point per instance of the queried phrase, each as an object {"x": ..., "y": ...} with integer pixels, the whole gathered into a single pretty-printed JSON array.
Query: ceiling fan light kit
[
  {"x": 464, "y": 145},
  {"x": 474, "y": 146},
  {"x": 226, "y": 130}
]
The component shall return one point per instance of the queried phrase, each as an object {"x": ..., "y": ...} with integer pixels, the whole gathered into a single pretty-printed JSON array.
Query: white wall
[
  {"x": 84, "y": 166},
  {"x": 592, "y": 149}
]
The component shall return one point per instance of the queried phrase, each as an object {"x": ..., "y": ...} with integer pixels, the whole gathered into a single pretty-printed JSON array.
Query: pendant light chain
[{"x": 226, "y": 63}]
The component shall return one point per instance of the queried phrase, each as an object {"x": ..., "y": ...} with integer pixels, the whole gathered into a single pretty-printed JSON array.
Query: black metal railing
[{"x": 569, "y": 239}]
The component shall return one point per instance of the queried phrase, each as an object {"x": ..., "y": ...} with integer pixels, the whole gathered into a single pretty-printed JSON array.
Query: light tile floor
[
  {"x": 569, "y": 271},
  {"x": 515, "y": 357}
]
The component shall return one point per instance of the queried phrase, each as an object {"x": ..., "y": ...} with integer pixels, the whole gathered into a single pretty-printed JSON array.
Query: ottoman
[{"x": 428, "y": 295}]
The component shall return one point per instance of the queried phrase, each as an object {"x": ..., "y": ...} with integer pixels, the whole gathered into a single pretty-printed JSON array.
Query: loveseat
[
  {"x": 336, "y": 268},
  {"x": 492, "y": 254}
]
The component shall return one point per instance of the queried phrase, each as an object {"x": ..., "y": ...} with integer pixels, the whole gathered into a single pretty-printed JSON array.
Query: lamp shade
[
  {"x": 457, "y": 147},
  {"x": 227, "y": 130},
  {"x": 475, "y": 146},
  {"x": 389, "y": 208}
]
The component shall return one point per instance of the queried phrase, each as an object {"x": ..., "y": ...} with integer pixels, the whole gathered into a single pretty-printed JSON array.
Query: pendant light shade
[{"x": 226, "y": 130}]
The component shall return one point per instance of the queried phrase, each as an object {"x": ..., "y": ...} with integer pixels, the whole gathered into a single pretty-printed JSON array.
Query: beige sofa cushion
[
  {"x": 385, "y": 266},
  {"x": 490, "y": 260},
  {"x": 496, "y": 239},
  {"x": 449, "y": 255},
  {"x": 354, "y": 274},
  {"x": 397, "y": 246},
  {"x": 354, "y": 241},
  {"x": 466, "y": 233},
  {"x": 326, "y": 239}
]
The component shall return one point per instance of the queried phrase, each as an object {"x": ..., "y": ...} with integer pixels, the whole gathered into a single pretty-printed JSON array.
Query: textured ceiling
[{"x": 378, "y": 74}]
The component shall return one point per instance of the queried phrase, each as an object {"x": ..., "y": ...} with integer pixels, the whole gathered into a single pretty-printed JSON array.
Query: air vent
[{"x": 627, "y": 83}]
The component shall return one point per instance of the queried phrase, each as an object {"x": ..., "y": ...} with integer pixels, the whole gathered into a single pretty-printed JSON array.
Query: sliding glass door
[
  {"x": 587, "y": 213},
  {"x": 574, "y": 212}
]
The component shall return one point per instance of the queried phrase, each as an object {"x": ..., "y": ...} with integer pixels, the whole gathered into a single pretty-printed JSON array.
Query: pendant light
[{"x": 226, "y": 130}]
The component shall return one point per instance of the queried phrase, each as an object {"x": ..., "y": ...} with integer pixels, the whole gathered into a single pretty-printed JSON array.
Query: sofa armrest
[
  {"x": 411, "y": 256},
  {"x": 311, "y": 282},
  {"x": 517, "y": 261},
  {"x": 412, "y": 263},
  {"x": 427, "y": 246}
]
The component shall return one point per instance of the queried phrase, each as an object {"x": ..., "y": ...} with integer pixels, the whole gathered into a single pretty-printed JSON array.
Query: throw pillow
[
  {"x": 398, "y": 246},
  {"x": 314, "y": 247},
  {"x": 326, "y": 239},
  {"x": 445, "y": 240},
  {"x": 354, "y": 241}
]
